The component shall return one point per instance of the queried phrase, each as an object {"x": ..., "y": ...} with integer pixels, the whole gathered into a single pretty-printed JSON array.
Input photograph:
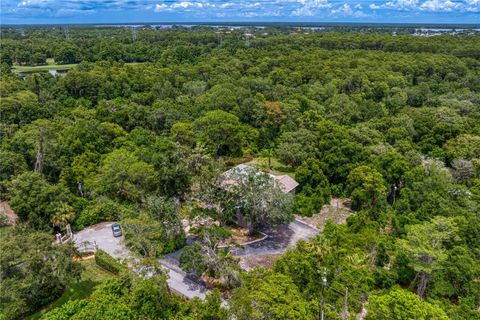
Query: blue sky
[{"x": 117, "y": 11}]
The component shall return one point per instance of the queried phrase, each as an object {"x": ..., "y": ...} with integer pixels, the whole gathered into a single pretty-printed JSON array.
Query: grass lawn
[
  {"x": 47, "y": 67},
  {"x": 52, "y": 66},
  {"x": 92, "y": 276},
  {"x": 276, "y": 167}
]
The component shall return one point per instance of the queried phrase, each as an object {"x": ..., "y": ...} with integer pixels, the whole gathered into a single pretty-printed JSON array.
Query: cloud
[
  {"x": 310, "y": 8},
  {"x": 437, "y": 5},
  {"x": 401, "y": 5},
  {"x": 208, "y": 10},
  {"x": 347, "y": 11}
]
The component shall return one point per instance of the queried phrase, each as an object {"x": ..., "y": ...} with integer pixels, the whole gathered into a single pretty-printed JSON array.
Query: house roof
[{"x": 284, "y": 182}]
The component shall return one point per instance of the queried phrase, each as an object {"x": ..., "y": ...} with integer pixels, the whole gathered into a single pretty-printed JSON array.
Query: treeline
[
  {"x": 393, "y": 123},
  {"x": 30, "y": 46}
]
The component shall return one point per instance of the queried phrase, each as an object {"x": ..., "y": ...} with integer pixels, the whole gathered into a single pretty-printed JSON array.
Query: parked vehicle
[{"x": 117, "y": 231}]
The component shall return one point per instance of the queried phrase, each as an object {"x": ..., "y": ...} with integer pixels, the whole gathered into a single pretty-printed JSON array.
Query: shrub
[
  {"x": 107, "y": 262},
  {"x": 103, "y": 209}
]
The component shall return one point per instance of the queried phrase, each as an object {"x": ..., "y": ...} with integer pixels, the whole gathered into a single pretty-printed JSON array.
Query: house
[{"x": 286, "y": 183}]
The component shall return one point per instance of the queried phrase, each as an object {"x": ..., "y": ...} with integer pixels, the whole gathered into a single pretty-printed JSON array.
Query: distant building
[{"x": 286, "y": 183}]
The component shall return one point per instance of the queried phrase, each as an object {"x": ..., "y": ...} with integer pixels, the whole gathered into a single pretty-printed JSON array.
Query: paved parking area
[
  {"x": 279, "y": 239},
  {"x": 102, "y": 236}
]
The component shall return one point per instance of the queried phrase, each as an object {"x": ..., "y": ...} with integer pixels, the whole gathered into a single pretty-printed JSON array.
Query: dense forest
[{"x": 390, "y": 122}]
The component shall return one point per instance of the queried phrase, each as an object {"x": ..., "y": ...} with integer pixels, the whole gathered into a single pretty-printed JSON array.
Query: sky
[{"x": 131, "y": 11}]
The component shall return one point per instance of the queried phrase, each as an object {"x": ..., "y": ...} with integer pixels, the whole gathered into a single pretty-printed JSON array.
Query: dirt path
[{"x": 9, "y": 213}]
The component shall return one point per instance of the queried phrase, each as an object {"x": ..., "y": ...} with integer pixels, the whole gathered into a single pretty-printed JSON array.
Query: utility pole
[
  {"x": 323, "y": 292},
  {"x": 345, "y": 305},
  {"x": 394, "y": 192}
]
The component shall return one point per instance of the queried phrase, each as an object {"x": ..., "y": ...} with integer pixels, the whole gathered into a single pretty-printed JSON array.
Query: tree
[
  {"x": 63, "y": 215},
  {"x": 314, "y": 189},
  {"x": 425, "y": 246},
  {"x": 221, "y": 133},
  {"x": 151, "y": 299},
  {"x": 182, "y": 132},
  {"x": 37, "y": 201},
  {"x": 144, "y": 235},
  {"x": 122, "y": 175},
  {"x": 464, "y": 146},
  {"x": 207, "y": 257},
  {"x": 33, "y": 271},
  {"x": 399, "y": 304},
  {"x": 296, "y": 147},
  {"x": 257, "y": 200},
  {"x": 366, "y": 188},
  {"x": 156, "y": 230},
  {"x": 270, "y": 297},
  {"x": 12, "y": 164},
  {"x": 109, "y": 301}
]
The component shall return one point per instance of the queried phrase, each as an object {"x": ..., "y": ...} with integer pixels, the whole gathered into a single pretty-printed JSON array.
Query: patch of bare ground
[
  {"x": 240, "y": 236},
  {"x": 337, "y": 211},
  {"x": 248, "y": 262},
  {"x": 6, "y": 210}
]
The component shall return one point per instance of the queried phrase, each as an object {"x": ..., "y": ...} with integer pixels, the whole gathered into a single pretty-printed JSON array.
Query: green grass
[
  {"x": 276, "y": 167},
  {"x": 58, "y": 67},
  {"x": 52, "y": 66},
  {"x": 92, "y": 276}
]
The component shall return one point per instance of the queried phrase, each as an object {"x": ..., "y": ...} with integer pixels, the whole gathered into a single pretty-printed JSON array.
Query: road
[{"x": 101, "y": 235}]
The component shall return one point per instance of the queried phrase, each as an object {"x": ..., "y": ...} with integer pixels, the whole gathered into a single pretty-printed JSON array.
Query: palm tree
[{"x": 63, "y": 215}]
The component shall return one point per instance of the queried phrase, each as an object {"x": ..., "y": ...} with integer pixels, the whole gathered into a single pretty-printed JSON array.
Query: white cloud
[
  {"x": 438, "y": 5},
  {"x": 204, "y": 9},
  {"x": 473, "y": 6},
  {"x": 346, "y": 10},
  {"x": 428, "y": 5},
  {"x": 310, "y": 8},
  {"x": 161, "y": 7},
  {"x": 396, "y": 5}
]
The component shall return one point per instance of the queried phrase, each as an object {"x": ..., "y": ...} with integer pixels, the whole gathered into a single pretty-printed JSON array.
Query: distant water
[{"x": 310, "y": 25}]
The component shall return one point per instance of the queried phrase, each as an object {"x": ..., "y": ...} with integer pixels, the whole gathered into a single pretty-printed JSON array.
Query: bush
[
  {"x": 103, "y": 209},
  {"x": 107, "y": 262}
]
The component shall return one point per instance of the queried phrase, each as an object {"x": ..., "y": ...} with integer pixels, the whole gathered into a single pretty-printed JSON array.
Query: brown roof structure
[{"x": 286, "y": 183}]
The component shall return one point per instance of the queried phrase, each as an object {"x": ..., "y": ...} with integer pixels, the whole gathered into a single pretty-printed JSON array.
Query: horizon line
[{"x": 247, "y": 23}]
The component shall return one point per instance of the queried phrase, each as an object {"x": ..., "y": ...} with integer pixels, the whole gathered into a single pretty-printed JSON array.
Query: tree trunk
[
  {"x": 422, "y": 285},
  {"x": 39, "y": 160}
]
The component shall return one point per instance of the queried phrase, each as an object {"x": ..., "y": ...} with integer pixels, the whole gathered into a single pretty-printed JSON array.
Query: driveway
[
  {"x": 263, "y": 252},
  {"x": 279, "y": 239},
  {"x": 101, "y": 235}
]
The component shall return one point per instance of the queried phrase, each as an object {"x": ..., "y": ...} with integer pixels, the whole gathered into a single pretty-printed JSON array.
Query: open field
[
  {"x": 58, "y": 67},
  {"x": 51, "y": 66},
  {"x": 92, "y": 276}
]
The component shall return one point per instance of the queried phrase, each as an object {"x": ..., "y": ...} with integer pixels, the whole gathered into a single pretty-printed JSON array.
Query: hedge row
[{"x": 107, "y": 262}]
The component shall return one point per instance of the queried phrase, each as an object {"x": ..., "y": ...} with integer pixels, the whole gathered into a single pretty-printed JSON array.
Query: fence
[{"x": 66, "y": 237}]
